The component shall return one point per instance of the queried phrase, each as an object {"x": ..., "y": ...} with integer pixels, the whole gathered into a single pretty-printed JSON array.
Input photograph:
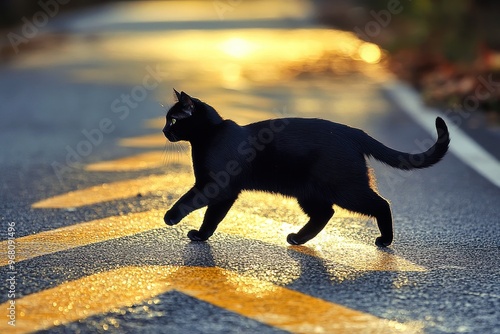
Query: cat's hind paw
[
  {"x": 196, "y": 236},
  {"x": 381, "y": 242}
]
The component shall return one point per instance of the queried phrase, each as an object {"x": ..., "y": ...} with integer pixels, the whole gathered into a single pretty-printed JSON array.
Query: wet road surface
[{"x": 87, "y": 177}]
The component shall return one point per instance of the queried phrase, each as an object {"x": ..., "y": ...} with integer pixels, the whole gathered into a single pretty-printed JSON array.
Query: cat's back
[
  {"x": 295, "y": 133},
  {"x": 296, "y": 125}
]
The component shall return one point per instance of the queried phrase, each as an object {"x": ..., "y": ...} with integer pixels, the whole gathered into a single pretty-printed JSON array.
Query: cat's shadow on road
[{"x": 307, "y": 270}]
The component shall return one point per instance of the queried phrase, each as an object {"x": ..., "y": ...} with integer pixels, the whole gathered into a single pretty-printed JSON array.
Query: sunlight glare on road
[{"x": 227, "y": 58}]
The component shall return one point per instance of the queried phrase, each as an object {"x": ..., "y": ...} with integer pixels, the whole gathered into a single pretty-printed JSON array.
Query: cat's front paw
[
  {"x": 382, "y": 242},
  {"x": 293, "y": 240},
  {"x": 196, "y": 236},
  {"x": 171, "y": 218}
]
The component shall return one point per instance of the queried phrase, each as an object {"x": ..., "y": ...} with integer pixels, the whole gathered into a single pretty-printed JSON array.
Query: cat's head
[{"x": 188, "y": 118}]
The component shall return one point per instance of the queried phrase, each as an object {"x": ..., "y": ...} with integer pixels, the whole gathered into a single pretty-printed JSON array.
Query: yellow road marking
[
  {"x": 155, "y": 140},
  {"x": 155, "y": 123},
  {"x": 118, "y": 190},
  {"x": 131, "y": 163},
  {"x": 82, "y": 234},
  {"x": 250, "y": 297},
  {"x": 141, "y": 161}
]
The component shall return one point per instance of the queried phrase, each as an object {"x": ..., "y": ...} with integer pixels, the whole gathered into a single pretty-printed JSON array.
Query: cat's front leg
[
  {"x": 213, "y": 216},
  {"x": 184, "y": 206},
  {"x": 172, "y": 217}
]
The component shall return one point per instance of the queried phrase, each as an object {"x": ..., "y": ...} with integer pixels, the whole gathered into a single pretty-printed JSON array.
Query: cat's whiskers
[
  {"x": 166, "y": 158},
  {"x": 173, "y": 152},
  {"x": 165, "y": 108},
  {"x": 165, "y": 153}
]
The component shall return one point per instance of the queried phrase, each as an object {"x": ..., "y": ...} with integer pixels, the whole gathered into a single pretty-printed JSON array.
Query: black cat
[{"x": 320, "y": 163}]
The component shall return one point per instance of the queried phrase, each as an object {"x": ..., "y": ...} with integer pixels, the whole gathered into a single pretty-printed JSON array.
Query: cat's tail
[{"x": 407, "y": 161}]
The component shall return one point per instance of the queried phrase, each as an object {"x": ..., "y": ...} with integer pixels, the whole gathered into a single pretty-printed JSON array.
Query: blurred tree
[
  {"x": 444, "y": 48},
  {"x": 447, "y": 29}
]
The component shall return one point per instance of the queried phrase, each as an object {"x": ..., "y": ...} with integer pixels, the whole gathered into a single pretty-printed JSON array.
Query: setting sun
[
  {"x": 370, "y": 53},
  {"x": 237, "y": 47}
]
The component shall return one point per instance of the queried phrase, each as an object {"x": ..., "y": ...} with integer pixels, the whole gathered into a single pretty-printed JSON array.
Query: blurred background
[
  {"x": 84, "y": 88},
  {"x": 442, "y": 48}
]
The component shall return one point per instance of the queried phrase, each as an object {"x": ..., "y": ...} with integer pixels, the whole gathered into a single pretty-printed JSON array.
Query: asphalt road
[{"x": 86, "y": 177}]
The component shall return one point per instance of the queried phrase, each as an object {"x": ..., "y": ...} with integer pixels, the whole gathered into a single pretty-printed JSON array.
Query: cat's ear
[
  {"x": 187, "y": 104},
  {"x": 177, "y": 95}
]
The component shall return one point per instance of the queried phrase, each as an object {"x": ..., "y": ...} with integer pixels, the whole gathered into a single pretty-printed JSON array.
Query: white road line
[{"x": 462, "y": 146}]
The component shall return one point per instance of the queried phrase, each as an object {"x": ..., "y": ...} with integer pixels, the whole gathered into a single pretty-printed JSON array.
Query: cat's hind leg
[
  {"x": 213, "y": 216},
  {"x": 319, "y": 214},
  {"x": 367, "y": 202}
]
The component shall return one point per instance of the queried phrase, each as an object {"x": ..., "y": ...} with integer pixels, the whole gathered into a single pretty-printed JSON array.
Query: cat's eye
[{"x": 173, "y": 121}]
